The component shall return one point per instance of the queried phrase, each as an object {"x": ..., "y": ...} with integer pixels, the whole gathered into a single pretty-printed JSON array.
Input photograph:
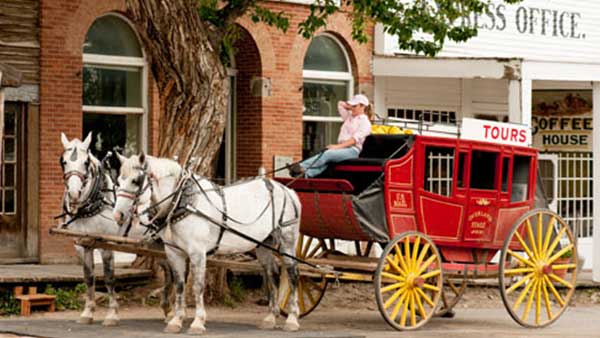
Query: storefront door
[{"x": 13, "y": 224}]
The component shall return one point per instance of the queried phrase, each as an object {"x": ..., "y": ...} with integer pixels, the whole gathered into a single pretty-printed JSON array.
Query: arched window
[
  {"x": 114, "y": 86},
  {"x": 327, "y": 79}
]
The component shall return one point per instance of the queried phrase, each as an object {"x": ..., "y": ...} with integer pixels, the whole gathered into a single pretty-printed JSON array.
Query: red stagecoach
[{"x": 444, "y": 209}]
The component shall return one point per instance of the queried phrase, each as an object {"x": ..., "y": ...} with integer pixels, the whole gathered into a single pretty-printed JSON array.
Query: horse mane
[{"x": 160, "y": 167}]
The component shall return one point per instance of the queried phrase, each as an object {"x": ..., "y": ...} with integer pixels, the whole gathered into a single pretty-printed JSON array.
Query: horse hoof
[
  {"x": 198, "y": 330},
  {"x": 172, "y": 329},
  {"x": 168, "y": 319},
  {"x": 110, "y": 322},
  {"x": 268, "y": 323},
  {"x": 85, "y": 320},
  {"x": 291, "y": 327}
]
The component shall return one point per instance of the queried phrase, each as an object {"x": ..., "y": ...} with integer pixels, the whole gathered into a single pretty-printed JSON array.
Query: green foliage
[
  {"x": 567, "y": 254},
  {"x": 8, "y": 304},
  {"x": 236, "y": 294},
  {"x": 419, "y": 25},
  {"x": 67, "y": 298}
]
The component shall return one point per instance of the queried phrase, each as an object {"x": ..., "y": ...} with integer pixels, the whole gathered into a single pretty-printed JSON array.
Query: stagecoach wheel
[
  {"x": 408, "y": 281},
  {"x": 538, "y": 268},
  {"x": 311, "y": 286},
  {"x": 452, "y": 292}
]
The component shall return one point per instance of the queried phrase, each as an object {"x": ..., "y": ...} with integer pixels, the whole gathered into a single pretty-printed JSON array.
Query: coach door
[
  {"x": 483, "y": 195},
  {"x": 13, "y": 225}
]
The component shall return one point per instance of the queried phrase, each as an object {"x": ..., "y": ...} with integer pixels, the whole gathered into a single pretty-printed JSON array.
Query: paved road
[{"x": 475, "y": 323}]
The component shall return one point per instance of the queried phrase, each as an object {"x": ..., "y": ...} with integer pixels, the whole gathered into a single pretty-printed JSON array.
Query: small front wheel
[{"x": 408, "y": 281}]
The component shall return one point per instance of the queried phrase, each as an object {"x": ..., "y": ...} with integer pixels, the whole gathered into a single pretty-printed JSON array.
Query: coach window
[
  {"x": 114, "y": 86},
  {"x": 483, "y": 170},
  {"x": 520, "y": 184},
  {"x": 327, "y": 80},
  {"x": 439, "y": 164}
]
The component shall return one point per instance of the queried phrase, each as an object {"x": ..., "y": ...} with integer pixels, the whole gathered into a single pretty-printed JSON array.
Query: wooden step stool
[{"x": 32, "y": 298}]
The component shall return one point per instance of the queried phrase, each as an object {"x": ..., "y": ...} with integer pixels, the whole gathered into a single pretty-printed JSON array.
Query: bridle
[
  {"x": 146, "y": 179},
  {"x": 83, "y": 177}
]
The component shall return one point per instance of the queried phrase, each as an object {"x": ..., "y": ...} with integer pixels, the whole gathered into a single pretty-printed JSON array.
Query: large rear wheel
[
  {"x": 538, "y": 268},
  {"x": 408, "y": 281},
  {"x": 311, "y": 286}
]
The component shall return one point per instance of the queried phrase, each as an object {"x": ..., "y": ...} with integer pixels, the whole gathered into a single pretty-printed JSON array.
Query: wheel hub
[{"x": 414, "y": 281}]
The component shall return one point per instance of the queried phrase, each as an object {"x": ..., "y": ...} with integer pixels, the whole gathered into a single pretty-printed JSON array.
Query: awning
[{"x": 447, "y": 67}]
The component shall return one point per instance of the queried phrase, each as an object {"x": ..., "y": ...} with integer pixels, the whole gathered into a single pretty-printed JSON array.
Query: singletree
[{"x": 188, "y": 43}]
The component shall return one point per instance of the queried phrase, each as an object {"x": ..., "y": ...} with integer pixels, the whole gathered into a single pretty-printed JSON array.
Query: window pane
[
  {"x": 505, "y": 167},
  {"x": 9, "y": 201},
  {"x": 10, "y": 115},
  {"x": 317, "y": 135},
  {"x": 112, "y": 87},
  {"x": 320, "y": 99},
  {"x": 110, "y": 35},
  {"x": 110, "y": 131},
  {"x": 326, "y": 55},
  {"x": 438, "y": 170},
  {"x": 520, "y": 179},
  {"x": 483, "y": 169},
  {"x": 462, "y": 159},
  {"x": 9, "y": 149},
  {"x": 9, "y": 175}
]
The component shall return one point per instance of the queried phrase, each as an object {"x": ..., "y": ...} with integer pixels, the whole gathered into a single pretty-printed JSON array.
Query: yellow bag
[{"x": 390, "y": 130}]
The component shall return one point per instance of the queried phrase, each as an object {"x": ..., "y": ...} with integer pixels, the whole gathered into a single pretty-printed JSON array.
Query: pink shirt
[{"x": 356, "y": 127}]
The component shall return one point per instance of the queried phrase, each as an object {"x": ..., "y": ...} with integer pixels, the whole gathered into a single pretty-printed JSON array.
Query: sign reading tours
[
  {"x": 496, "y": 132},
  {"x": 562, "y": 120}
]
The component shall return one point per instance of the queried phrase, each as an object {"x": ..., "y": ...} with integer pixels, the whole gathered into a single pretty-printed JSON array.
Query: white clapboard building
[{"x": 536, "y": 63}]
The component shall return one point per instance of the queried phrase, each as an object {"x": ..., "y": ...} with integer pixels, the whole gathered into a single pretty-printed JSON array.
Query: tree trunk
[{"x": 191, "y": 79}]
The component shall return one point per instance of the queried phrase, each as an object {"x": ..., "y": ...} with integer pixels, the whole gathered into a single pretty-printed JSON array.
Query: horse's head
[
  {"x": 76, "y": 163},
  {"x": 134, "y": 190}
]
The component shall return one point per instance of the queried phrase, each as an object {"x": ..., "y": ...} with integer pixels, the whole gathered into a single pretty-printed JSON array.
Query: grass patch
[
  {"x": 236, "y": 294},
  {"x": 8, "y": 304},
  {"x": 67, "y": 298}
]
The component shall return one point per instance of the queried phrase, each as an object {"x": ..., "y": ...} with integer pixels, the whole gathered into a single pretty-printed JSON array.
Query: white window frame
[
  {"x": 328, "y": 77},
  {"x": 123, "y": 63}
]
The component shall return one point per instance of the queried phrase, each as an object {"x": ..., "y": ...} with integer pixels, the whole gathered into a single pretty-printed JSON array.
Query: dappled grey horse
[
  {"x": 87, "y": 204},
  {"x": 261, "y": 209}
]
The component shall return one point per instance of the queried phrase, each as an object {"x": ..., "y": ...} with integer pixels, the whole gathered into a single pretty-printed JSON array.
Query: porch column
[
  {"x": 379, "y": 96},
  {"x": 514, "y": 101},
  {"x": 596, "y": 183},
  {"x": 525, "y": 101}
]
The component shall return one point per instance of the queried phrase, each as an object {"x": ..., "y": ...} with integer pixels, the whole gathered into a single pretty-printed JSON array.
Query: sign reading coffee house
[{"x": 562, "y": 120}]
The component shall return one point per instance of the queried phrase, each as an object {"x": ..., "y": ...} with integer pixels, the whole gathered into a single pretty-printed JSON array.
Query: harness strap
[
  {"x": 270, "y": 189},
  {"x": 221, "y": 193}
]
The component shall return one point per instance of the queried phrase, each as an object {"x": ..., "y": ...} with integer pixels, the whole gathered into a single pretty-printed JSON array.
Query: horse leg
[
  {"x": 288, "y": 246},
  {"x": 178, "y": 266},
  {"x": 165, "y": 302},
  {"x": 198, "y": 265},
  {"x": 266, "y": 259},
  {"x": 87, "y": 258},
  {"x": 108, "y": 262}
]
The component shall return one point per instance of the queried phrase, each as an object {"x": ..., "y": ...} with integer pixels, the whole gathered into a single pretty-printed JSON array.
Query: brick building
[{"x": 84, "y": 69}]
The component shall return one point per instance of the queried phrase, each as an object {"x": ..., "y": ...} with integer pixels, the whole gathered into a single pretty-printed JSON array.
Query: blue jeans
[{"x": 315, "y": 165}]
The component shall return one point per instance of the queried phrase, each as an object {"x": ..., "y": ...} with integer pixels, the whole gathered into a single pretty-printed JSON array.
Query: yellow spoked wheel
[
  {"x": 408, "y": 281},
  {"x": 311, "y": 286},
  {"x": 538, "y": 268},
  {"x": 454, "y": 289}
]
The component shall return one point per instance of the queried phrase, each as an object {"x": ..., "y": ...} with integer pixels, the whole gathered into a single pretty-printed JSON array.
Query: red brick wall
[
  {"x": 282, "y": 57},
  {"x": 248, "y": 107},
  {"x": 64, "y": 24},
  {"x": 277, "y": 131}
]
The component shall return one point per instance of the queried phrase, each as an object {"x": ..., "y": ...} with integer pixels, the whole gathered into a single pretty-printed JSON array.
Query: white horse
[
  {"x": 261, "y": 209},
  {"x": 87, "y": 204}
]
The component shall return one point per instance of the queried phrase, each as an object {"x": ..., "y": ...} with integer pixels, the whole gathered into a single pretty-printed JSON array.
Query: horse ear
[
  {"x": 64, "y": 140},
  {"x": 121, "y": 157},
  {"x": 142, "y": 157},
  {"x": 87, "y": 141}
]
